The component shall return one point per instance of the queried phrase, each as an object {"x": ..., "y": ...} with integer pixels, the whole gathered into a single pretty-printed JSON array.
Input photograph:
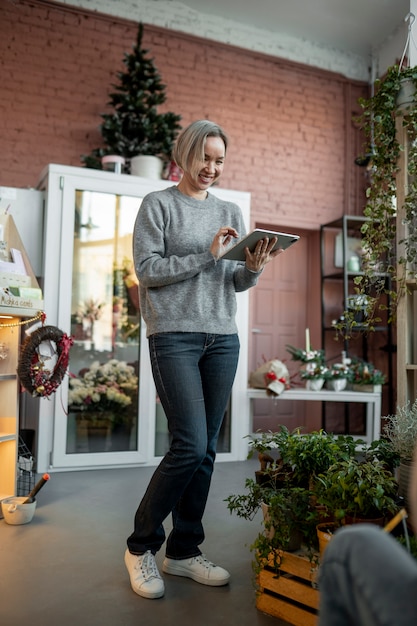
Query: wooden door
[{"x": 285, "y": 302}]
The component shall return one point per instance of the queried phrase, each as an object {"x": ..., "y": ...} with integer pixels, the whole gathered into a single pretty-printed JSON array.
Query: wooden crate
[{"x": 293, "y": 595}]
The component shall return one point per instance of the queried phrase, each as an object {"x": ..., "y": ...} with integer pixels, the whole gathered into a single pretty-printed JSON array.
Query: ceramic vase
[
  {"x": 336, "y": 384},
  {"x": 315, "y": 384}
]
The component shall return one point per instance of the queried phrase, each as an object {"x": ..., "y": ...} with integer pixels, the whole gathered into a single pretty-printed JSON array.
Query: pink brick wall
[{"x": 292, "y": 140}]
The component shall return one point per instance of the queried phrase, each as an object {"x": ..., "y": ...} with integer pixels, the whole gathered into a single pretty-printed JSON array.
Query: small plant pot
[
  {"x": 315, "y": 384},
  {"x": 336, "y": 384},
  {"x": 146, "y": 166},
  {"x": 325, "y": 532}
]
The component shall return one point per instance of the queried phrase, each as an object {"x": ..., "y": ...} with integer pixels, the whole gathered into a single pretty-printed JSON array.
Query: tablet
[{"x": 237, "y": 251}]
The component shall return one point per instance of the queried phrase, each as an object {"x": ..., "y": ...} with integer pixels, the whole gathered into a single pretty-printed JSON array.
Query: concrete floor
[{"x": 66, "y": 566}]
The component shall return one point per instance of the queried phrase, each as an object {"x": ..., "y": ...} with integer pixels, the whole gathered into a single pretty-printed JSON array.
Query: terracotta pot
[{"x": 325, "y": 532}]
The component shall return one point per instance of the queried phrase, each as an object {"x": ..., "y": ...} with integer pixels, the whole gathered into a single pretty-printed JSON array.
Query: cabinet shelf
[
  {"x": 7, "y": 437},
  {"x": 340, "y": 240}
]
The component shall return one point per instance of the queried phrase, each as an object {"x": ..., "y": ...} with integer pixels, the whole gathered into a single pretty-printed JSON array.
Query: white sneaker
[
  {"x": 145, "y": 578},
  {"x": 199, "y": 569}
]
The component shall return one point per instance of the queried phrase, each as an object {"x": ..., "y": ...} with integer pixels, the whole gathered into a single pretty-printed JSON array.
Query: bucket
[{"x": 15, "y": 512}]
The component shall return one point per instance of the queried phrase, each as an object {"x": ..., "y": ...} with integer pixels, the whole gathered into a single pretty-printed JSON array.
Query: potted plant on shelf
[
  {"x": 401, "y": 430},
  {"x": 387, "y": 264},
  {"x": 136, "y": 128},
  {"x": 337, "y": 376},
  {"x": 365, "y": 377},
  {"x": 314, "y": 376}
]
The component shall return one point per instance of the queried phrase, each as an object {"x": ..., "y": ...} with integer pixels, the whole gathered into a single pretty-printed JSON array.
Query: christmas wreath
[{"x": 35, "y": 377}]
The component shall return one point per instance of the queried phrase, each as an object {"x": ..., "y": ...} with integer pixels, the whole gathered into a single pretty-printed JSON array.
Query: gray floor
[{"x": 66, "y": 566}]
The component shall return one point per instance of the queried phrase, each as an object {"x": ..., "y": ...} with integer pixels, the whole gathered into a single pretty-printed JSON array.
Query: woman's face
[{"x": 211, "y": 168}]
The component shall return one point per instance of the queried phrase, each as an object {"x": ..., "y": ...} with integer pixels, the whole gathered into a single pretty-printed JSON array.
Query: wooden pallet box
[{"x": 292, "y": 596}]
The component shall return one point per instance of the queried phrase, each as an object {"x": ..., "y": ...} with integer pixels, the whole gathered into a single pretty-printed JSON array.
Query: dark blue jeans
[{"x": 193, "y": 374}]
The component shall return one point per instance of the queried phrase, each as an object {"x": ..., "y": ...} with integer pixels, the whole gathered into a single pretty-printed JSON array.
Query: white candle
[{"x": 307, "y": 340}]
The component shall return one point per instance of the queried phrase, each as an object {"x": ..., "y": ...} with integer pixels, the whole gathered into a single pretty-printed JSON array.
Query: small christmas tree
[{"x": 136, "y": 127}]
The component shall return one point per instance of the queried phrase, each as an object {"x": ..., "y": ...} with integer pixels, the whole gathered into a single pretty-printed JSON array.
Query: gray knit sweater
[{"x": 181, "y": 286}]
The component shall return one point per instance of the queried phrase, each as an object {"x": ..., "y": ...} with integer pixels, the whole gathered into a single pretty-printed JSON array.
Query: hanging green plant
[{"x": 388, "y": 260}]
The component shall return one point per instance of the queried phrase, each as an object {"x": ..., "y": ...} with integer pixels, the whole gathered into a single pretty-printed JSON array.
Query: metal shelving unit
[{"x": 340, "y": 264}]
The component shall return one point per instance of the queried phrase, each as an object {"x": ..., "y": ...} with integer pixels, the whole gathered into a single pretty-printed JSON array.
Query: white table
[{"x": 371, "y": 399}]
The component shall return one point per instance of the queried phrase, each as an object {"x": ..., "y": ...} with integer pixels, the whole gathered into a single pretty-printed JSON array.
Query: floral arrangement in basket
[
  {"x": 103, "y": 387},
  {"x": 363, "y": 373}
]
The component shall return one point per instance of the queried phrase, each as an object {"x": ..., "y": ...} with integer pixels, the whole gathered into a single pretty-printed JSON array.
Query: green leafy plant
[
  {"x": 136, "y": 127},
  {"x": 315, "y": 452},
  {"x": 289, "y": 518},
  {"x": 380, "y": 282},
  {"x": 382, "y": 450},
  {"x": 359, "y": 489}
]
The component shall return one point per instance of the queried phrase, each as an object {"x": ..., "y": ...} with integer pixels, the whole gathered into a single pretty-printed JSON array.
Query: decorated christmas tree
[{"x": 135, "y": 127}]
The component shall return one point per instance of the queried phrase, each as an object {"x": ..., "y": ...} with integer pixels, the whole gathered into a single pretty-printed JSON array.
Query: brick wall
[{"x": 292, "y": 139}]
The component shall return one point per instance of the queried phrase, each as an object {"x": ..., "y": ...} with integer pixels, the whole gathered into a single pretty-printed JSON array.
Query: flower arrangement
[
  {"x": 90, "y": 310},
  {"x": 338, "y": 371},
  {"x": 305, "y": 356},
  {"x": 363, "y": 373},
  {"x": 314, "y": 373},
  {"x": 103, "y": 387}
]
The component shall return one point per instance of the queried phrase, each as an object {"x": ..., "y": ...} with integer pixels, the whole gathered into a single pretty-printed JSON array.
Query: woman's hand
[
  {"x": 221, "y": 240},
  {"x": 262, "y": 254}
]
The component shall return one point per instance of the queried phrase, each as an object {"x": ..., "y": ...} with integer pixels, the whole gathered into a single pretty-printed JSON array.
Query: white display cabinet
[{"x": 89, "y": 219}]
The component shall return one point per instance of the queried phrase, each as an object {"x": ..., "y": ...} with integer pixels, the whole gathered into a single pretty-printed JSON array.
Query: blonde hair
[{"x": 188, "y": 152}]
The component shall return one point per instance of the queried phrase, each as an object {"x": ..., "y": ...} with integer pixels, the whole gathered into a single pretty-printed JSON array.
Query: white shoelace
[
  {"x": 148, "y": 566},
  {"x": 203, "y": 560}
]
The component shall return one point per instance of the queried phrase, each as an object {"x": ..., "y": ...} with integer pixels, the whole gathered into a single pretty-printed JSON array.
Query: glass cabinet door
[
  {"x": 106, "y": 412},
  {"x": 105, "y": 325}
]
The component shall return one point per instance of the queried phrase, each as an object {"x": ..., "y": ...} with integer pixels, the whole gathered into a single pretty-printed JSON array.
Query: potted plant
[
  {"x": 337, "y": 376},
  {"x": 401, "y": 430},
  {"x": 356, "y": 490},
  {"x": 314, "y": 376},
  {"x": 135, "y": 128},
  {"x": 364, "y": 376},
  {"x": 289, "y": 519},
  {"x": 386, "y": 266},
  {"x": 274, "y": 470}
]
